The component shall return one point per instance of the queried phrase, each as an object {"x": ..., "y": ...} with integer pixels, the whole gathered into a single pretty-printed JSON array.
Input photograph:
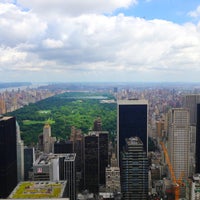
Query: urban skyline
[{"x": 167, "y": 114}]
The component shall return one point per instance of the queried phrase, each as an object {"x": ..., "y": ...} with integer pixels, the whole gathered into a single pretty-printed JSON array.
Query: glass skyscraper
[
  {"x": 132, "y": 120},
  {"x": 134, "y": 170},
  {"x": 8, "y": 152}
]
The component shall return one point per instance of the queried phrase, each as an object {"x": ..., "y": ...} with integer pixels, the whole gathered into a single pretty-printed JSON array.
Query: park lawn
[{"x": 33, "y": 122}]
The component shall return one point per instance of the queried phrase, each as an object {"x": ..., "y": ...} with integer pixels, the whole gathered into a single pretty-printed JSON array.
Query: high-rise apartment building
[
  {"x": 190, "y": 101},
  {"x": 134, "y": 170},
  {"x": 132, "y": 121},
  {"x": 179, "y": 140},
  {"x": 8, "y": 152}
]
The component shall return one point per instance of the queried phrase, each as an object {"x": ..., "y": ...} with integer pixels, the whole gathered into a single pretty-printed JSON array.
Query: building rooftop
[
  {"x": 70, "y": 157},
  {"x": 45, "y": 159},
  {"x": 132, "y": 102},
  {"x": 133, "y": 141},
  {"x": 2, "y": 118},
  {"x": 39, "y": 190}
]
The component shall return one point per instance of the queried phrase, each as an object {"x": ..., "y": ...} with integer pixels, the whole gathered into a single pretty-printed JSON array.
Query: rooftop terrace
[{"x": 38, "y": 190}]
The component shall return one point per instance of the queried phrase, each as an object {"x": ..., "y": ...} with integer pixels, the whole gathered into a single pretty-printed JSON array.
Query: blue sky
[
  {"x": 171, "y": 10},
  {"x": 100, "y": 40}
]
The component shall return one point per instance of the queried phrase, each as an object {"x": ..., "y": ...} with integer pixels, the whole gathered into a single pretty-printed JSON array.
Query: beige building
[
  {"x": 179, "y": 140},
  {"x": 113, "y": 176},
  {"x": 48, "y": 141}
]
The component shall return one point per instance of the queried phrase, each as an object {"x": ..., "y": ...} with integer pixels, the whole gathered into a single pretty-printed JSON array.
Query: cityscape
[
  {"x": 100, "y": 99},
  {"x": 152, "y": 153}
]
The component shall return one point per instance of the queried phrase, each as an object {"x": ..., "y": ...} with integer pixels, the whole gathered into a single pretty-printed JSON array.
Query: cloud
[
  {"x": 51, "y": 43},
  {"x": 75, "y": 7},
  {"x": 18, "y": 26},
  {"x": 94, "y": 46},
  {"x": 195, "y": 13}
]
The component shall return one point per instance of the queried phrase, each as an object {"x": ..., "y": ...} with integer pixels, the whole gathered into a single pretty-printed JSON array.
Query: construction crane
[{"x": 176, "y": 183}]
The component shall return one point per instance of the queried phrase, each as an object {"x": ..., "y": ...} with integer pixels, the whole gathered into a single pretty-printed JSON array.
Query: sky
[{"x": 100, "y": 40}]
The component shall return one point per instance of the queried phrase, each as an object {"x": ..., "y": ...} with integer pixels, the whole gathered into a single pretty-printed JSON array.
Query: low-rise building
[{"x": 40, "y": 190}]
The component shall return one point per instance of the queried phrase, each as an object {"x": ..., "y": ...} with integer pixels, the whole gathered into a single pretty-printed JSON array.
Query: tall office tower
[
  {"x": 91, "y": 163},
  {"x": 190, "y": 101},
  {"x": 132, "y": 121},
  {"x": 134, "y": 170},
  {"x": 97, "y": 125},
  {"x": 77, "y": 144},
  {"x": 103, "y": 155},
  {"x": 46, "y": 138},
  {"x": 76, "y": 138},
  {"x": 198, "y": 140},
  {"x": 95, "y": 159},
  {"x": 8, "y": 161},
  {"x": 179, "y": 140},
  {"x": 20, "y": 156},
  {"x": 29, "y": 159},
  {"x": 70, "y": 175}
]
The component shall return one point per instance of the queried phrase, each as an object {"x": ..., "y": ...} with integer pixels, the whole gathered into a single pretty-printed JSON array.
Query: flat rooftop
[
  {"x": 45, "y": 159},
  {"x": 39, "y": 190}
]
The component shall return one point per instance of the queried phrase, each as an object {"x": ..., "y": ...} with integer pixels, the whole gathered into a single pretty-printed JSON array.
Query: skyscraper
[
  {"x": 179, "y": 140},
  {"x": 91, "y": 164},
  {"x": 8, "y": 152},
  {"x": 95, "y": 159},
  {"x": 134, "y": 173},
  {"x": 132, "y": 120},
  {"x": 198, "y": 140},
  {"x": 70, "y": 175},
  {"x": 29, "y": 159},
  {"x": 48, "y": 141},
  {"x": 20, "y": 155},
  {"x": 190, "y": 101}
]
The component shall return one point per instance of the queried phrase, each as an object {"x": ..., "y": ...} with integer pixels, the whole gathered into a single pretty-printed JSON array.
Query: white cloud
[
  {"x": 195, "y": 13},
  {"x": 75, "y": 7},
  {"x": 51, "y": 43},
  {"x": 18, "y": 26},
  {"x": 94, "y": 46}
]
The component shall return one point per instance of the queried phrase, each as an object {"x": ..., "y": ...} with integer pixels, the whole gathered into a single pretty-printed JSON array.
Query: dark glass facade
[
  {"x": 91, "y": 164},
  {"x": 63, "y": 147},
  {"x": 134, "y": 175},
  {"x": 29, "y": 158},
  {"x": 8, "y": 161},
  {"x": 103, "y": 157},
  {"x": 95, "y": 160},
  {"x": 132, "y": 122},
  {"x": 198, "y": 140}
]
